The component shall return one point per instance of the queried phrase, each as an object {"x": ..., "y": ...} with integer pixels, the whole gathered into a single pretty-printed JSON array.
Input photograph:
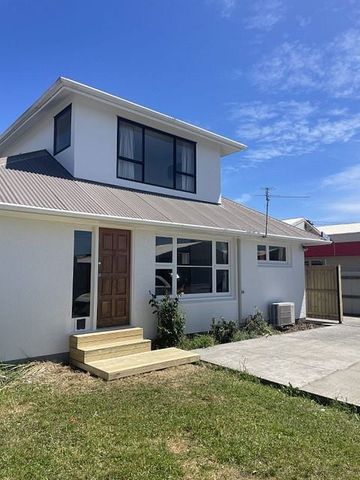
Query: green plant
[
  {"x": 223, "y": 331},
  {"x": 241, "y": 335},
  {"x": 256, "y": 325},
  {"x": 190, "y": 342},
  {"x": 170, "y": 320}
]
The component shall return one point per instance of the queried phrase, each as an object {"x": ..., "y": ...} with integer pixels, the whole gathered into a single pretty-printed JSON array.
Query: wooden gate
[{"x": 323, "y": 292}]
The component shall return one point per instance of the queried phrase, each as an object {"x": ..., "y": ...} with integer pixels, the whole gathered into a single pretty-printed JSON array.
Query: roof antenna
[{"x": 267, "y": 200}]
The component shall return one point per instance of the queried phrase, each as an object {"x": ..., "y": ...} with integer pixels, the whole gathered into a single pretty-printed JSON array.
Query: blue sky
[{"x": 281, "y": 76}]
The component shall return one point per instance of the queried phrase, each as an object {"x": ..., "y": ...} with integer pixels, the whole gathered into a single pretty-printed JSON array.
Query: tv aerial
[{"x": 268, "y": 196}]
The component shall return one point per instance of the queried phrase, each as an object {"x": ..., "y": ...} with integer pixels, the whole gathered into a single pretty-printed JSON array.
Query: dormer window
[
  {"x": 156, "y": 158},
  {"x": 62, "y": 130}
]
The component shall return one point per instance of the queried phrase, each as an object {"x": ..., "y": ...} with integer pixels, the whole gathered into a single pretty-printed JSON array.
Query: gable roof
[
  {"x": 65, "y": 86},
  {"x": 35, "y": 182}
]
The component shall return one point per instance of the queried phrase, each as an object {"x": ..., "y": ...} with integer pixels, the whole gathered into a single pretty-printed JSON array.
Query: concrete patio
[{"x": 323, "y": 361}]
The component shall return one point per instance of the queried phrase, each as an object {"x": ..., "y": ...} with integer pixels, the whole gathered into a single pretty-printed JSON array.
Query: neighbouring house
[
  {"x": 103, "y": 200},
  {"x": 304, "y": 224},
  {"x": 345, "y": 251}
]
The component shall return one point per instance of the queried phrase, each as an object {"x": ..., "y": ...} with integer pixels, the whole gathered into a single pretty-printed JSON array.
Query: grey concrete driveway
[{"x": 324, "y": 361}]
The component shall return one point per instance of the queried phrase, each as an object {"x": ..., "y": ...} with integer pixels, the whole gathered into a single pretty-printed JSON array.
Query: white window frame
[
  {"x": 273, "y": 263},
  {"x": 215, "y": 267}
]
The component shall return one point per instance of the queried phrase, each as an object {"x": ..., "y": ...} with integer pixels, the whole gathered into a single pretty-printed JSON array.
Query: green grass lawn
[{"x": 190, "y": 422}]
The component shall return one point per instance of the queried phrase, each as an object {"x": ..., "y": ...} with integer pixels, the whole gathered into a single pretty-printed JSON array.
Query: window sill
[
  {"x": 207, "y": 297},
  {"x": 275, "y": 264}
]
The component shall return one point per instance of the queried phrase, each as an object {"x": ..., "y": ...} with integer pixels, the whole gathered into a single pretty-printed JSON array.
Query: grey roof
[{"x": 37, "y": 180}]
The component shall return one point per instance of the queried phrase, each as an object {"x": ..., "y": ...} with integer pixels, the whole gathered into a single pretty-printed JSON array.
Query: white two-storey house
[{"x": 103, "y": 201}]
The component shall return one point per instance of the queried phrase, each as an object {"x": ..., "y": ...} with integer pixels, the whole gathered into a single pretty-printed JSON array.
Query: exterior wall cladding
[
  {"x": 35, "y": 307},
  {"x": 37, "y": 254}
]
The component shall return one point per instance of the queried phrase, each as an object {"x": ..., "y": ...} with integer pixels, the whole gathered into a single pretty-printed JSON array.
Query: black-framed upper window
[
  {"x": 62, "y": 130},
  {"x": 157, "y": 158}
]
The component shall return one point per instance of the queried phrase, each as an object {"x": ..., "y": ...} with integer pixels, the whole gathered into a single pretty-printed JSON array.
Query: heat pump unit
[{"x": 282, "y": 314}]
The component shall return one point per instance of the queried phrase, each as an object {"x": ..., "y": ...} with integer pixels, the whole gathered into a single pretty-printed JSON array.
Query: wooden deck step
[
  {"x": 118, "y": 367},
  {"x": 106, "y": 336},
  {"x": 101, "y": 351}
]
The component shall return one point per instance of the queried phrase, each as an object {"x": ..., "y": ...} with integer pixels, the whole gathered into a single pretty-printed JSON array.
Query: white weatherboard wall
[
  {"x": 265, "y": 284},
  {"x": 35, "y": 287},
  {"x": 40, "y": 136},
  {"x": 96, "y": 157}
]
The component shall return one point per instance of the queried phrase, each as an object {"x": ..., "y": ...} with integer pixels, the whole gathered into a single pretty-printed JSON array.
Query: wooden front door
[{"x": 114, "y": 278}]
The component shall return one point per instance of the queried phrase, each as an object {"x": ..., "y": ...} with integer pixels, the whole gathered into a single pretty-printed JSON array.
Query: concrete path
[{"x": 324, "y": 361}]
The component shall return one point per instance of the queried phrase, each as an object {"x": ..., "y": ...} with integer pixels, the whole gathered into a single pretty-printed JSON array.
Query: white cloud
[
  {"x": 344, "y": 180},
  {"x": 303, "y": 21},
  {"x": 227, "y": 7},
  {"x": 333, "y": 67},
  {"x": 266, "y": 14},
  {"x": 341, "y": 195},
  {"x": 289, "y": 128},
  {"x": 244, "y": 198}
]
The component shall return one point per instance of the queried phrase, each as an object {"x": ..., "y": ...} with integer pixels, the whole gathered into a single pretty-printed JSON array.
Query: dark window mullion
[
  {"x": 138, "y": 162},
  {"x": 143, "y": 155},
  {"x": 186, "y": 174},
  {"x": 174, "y": 162}
]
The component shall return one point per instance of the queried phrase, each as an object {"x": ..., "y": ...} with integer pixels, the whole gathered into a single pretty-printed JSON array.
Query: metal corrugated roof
[{"x": 37, "y": 180}]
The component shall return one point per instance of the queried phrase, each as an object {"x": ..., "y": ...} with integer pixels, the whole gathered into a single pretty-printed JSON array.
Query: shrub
[
  {"x": 196, "y": 341},
  {"x": 256, "y": 325},
  {"x": 170, "y": 320},
  {"x": 241, "y": 335},
  {"x": 223, "y": 331}
]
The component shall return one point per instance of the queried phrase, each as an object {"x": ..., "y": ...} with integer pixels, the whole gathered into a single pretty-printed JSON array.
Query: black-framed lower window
[
  {"x": 156, "y": 158},
  {"x": 82, "y": 274},
  {"x": 62, "y": 130}
]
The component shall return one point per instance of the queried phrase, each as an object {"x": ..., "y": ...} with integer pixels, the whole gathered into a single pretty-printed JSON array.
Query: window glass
[
  {"x": 317, "y": 262},
  {"x": 159, "y": 159},
  {"x": 194, "y": 252},
  {"x": 222, "y": 253},
  {"x": 165, "y": 160},
  {"x": 185, "y": 182},
  {"x": 164, "y": 246},
  {"x": 163, "y": 281},
  {"x": 194, "y": 280},
  {"x": 222, "y": 281},
  {"x": 82, "y": 274},
  {"x": 261, "y": 252},
  {"x": 185, "y": 157},
  {"x": 62, "y": 130},
  {"x": 130, "y": 170},
  {"x": 130, "y": 141},
  {"x": 277, "y": 254}
]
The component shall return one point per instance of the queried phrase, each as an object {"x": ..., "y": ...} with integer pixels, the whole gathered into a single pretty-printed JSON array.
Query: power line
[{"x": 268, "y": 196}]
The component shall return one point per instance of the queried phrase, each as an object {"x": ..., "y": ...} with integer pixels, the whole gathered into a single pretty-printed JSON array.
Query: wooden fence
[{"x": 323, "y": 292}]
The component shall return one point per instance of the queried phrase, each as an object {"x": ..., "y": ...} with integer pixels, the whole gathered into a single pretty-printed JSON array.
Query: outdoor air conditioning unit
[{"x": 282, "y": 314}]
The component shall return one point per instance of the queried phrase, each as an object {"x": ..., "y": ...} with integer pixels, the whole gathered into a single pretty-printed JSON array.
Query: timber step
[
  {"x": 101, "y": 351},
  {"x": 121, "y": 334},
  {"x": 118, "y": 367},
  {"x": 119, "y": 353}
]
